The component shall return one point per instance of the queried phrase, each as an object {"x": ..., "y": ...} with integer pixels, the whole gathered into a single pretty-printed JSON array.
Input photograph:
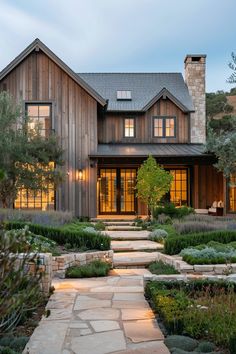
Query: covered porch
[{"x": 196, "y": 182}]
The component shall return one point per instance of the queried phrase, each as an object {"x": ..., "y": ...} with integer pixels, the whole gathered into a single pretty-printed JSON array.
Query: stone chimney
[{"x": 195, "y": 67}]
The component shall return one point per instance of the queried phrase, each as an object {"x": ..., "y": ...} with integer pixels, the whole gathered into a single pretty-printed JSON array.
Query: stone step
[
  {"x": 134, "y": 259},
  {"x": 127, "y": 236},
  {"x": 134, "y": 245},
  {"x": 104, "y": 220},
  {"x": 124, "y": 228},
  {"x": 119, "y": 223}
]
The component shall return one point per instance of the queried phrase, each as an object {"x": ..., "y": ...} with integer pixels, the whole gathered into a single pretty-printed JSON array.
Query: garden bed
[{"x": 201, "y": 309}]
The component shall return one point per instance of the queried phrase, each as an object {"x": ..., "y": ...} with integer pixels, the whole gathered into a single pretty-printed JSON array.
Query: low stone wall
[
  {"x": 42, "y": 264},
  {"x": 61, "y": 263},
  {"x": 186, "y": 277},
  {"x": 184, "y": 267}
]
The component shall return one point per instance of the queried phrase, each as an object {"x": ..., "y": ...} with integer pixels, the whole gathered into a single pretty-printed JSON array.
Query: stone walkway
[{"x": 99, "y": 316}]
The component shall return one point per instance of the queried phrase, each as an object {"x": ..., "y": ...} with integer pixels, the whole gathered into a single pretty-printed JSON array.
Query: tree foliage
[
  {"x": 216, "y": 102},
  {"x": 153, "y": 182},
  {"x": 222, "y": 142},
  {"x": 27, "y": 158},
  {"x": 232, "y": 65}
]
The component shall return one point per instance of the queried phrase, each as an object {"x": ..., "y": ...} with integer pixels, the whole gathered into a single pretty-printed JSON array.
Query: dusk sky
[{"x": 124, "y": 35}]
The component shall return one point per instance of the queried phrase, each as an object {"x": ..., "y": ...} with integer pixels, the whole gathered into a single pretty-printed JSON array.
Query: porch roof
[{"x": 157, "y": 150}]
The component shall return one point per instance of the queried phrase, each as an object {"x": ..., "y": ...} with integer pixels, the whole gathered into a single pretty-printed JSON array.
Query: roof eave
[{"x": 36, "y": 45}]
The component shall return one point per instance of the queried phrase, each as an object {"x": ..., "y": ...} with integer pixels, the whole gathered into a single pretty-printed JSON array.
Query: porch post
[{"x": 195, "y": 186}]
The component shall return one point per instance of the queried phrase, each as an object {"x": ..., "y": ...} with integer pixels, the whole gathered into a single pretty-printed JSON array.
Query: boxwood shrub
[
  {"x": 174, "y": 245},
  {"x": 80, "y": 238}
]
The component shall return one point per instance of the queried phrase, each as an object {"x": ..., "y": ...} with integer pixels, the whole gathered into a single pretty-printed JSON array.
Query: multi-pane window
[
  {"x": 39, "y": 117},
  {"x": 179, "y": 187},
  {"x": 129, "y": 130},
  {"x": 164, "y": 127},
  {"x": 232, "y": 193},
  {"x": 158, "y": 127}
]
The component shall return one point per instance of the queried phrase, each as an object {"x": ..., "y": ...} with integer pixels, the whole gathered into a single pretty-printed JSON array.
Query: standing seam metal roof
[{"x": 144, "y": 87}]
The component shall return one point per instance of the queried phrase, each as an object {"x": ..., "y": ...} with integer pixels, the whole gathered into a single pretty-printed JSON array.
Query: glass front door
[{"x": 117, "y": 191}]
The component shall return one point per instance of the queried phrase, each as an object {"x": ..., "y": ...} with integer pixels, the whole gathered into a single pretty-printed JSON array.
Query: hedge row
[
  {"x": 174, "y": 245},
  {"x": 78, "y": 238}
]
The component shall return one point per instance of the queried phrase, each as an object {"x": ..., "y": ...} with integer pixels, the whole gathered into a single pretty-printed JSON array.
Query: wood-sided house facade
[{"x": 109, "y": 124}]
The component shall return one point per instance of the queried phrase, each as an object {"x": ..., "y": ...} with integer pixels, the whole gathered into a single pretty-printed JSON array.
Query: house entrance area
[{"x": 116, "y": 191}]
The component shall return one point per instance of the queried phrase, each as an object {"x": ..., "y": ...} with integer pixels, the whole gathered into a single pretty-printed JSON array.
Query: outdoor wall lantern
[{"x": 80, "y": 175}]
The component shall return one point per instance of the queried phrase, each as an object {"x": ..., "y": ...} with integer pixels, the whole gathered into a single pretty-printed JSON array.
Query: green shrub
[
  {"x": 171, "y": 210},
  {"x": 49, "y": 218},
  {"x": 205, "y": 347},
  {"x": 174, "y": 245},
  {"x": 94, "y": 269},
  {"x": 15, "y": 343},
  {"x": 157, "y": 235},
  {"x": 201, "y": 309},
  {"x": 212, "y": 253},
  {"x": 99, "y": 226},
  {"x": 181, "y": 342},
  {"x": 159, "y": 268},
  {"x": 7, "y": 350},
  {"x": 77, "y": 239}
]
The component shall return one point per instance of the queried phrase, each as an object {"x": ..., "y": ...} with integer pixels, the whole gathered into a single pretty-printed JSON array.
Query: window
[
  {"x": 39, "y": 116},
  {"x": 164, "y": 127},
  {"x": 129, "y": 128},
  {"x": 123, "y": 95},
  {"x": 179, "y": 187},
  {"x": 232, "y": 193},
  {"x": 40, "y": 200}
]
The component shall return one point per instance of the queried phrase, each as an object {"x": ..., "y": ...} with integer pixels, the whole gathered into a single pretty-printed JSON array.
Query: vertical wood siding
[
  {"x": 39, "y": 79},
  {"x": 111, "y": 127}
]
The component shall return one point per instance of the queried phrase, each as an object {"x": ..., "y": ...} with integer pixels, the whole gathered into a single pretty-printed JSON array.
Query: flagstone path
[{"x": 99, "y": 316}]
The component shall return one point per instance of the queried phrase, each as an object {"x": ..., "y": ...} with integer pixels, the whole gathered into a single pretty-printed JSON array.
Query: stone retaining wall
[
  {"x": 42, "y": 264},
  {"x": 184, "y": 267},
  {"x": 186, "y": 277},
  {"x": 61, "y": 263}
]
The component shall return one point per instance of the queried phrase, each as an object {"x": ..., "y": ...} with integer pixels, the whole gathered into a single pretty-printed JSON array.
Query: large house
[{"x": 109, "y": 123}]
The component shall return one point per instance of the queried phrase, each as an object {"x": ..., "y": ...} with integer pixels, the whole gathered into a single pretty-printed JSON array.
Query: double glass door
[{"x": 117, "y": 191}]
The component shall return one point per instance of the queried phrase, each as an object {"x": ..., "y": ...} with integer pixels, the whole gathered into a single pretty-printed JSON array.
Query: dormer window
[{"x": 123, "y": 96}]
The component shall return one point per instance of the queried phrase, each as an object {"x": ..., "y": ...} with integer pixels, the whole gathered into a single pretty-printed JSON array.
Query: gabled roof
[
  {"x": 146, "y": 89},
  {"x": 38, "y": 45},
  {"x": 144, "y": 150}
]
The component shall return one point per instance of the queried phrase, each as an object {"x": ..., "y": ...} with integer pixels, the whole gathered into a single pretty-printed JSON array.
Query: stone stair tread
[
  {"x": 119, "y": 223},
  {"x": 134, "y": 258},
  {"x": 135, "y": 245},
  {"x": 124, "y": 228},
  {"x": 128, "y": 236}
]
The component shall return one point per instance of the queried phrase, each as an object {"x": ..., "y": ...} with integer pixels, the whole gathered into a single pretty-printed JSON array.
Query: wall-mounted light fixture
[{"x": 80, "y": 175}]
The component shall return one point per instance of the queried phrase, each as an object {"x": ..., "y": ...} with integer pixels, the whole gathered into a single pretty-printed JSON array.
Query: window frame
[
  {"x": 164, "y": 119},
  {"x": 129, "y": 137},
  {"x": 42, "y": 103}
]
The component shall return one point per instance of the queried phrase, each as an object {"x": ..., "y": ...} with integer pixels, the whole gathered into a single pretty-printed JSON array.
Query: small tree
[
  {"x": 153, "y": 182},
  {"x": 26, "y": 157}
]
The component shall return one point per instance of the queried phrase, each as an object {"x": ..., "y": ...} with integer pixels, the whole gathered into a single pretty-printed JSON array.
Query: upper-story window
[
  {"x": 39, "y": 116},
  {"x": 164, "y": 127},
  {"x": 129, "y": 127}
]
